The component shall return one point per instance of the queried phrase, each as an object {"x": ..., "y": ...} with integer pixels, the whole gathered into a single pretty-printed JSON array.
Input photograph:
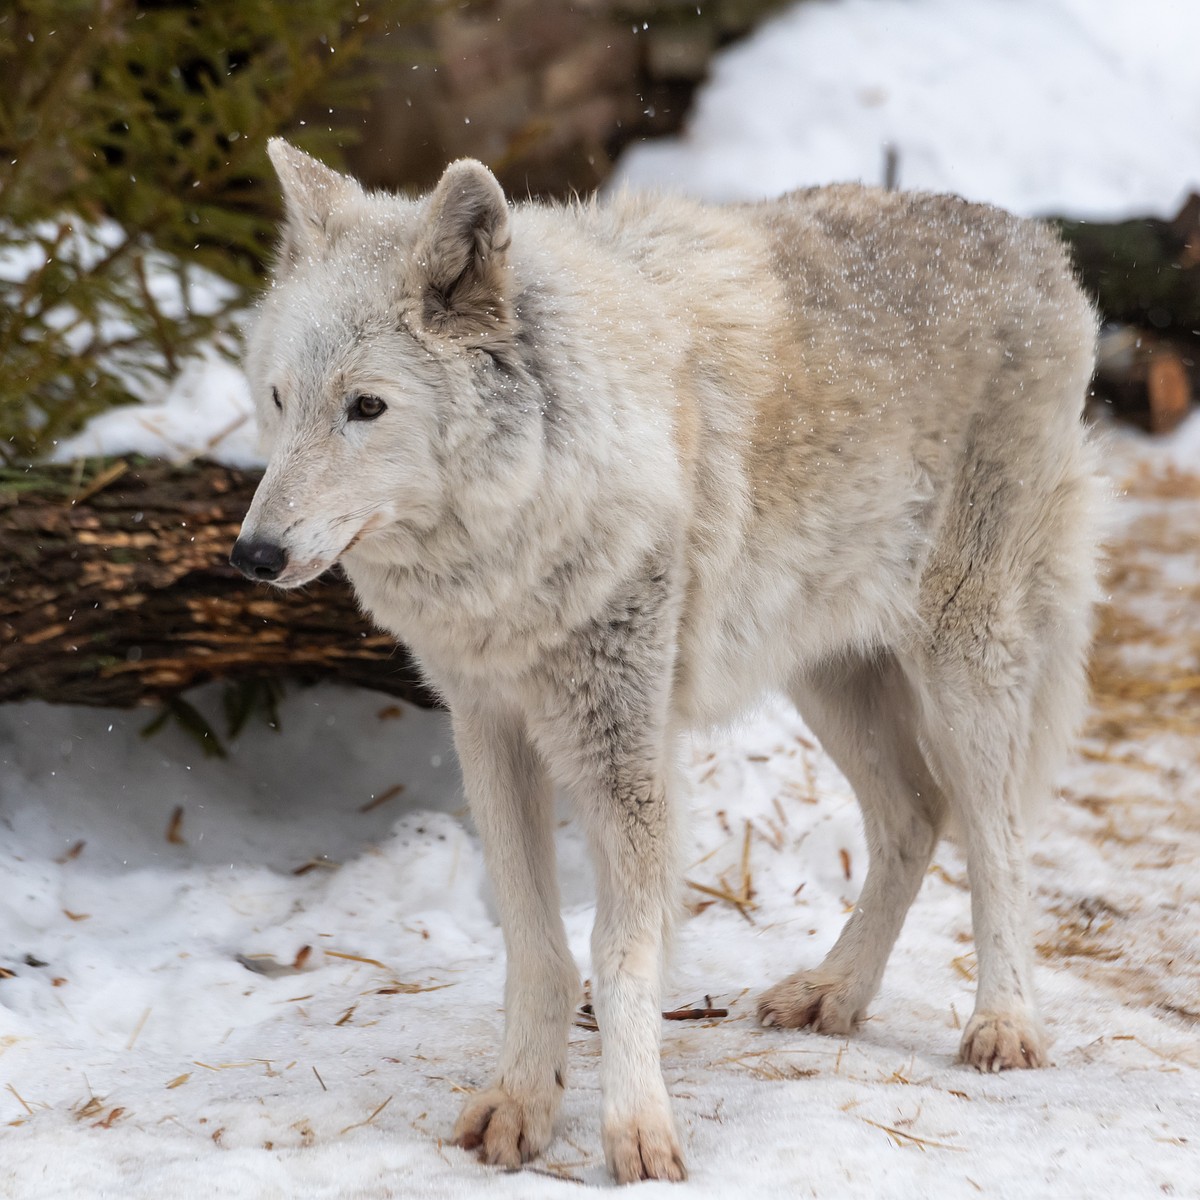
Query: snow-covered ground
[
  {"x": 275, "y": 974},
  {"x": 1088, "y": 107}
]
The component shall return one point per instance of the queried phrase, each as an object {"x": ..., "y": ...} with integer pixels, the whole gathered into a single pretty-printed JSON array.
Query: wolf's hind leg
[
  {"x": 997, "y": 749},
  {"x": 511, "y": 801},
  {"x": 1002, "y": 681},
  {"x": 862, "y": 710},
  {"x": 977, "y": 741}
]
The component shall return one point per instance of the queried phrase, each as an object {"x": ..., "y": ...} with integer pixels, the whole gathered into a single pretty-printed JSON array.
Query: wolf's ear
[
  {"x": 461, "y": 257},
  {"x": 311, "y": 194}
]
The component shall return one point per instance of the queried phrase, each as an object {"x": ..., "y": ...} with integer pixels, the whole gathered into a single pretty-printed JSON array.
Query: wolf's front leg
[
  {"x": 634, "y": 848},
  {"x": 511, "y": 1121},
  {"x": 603, "y": 727}
]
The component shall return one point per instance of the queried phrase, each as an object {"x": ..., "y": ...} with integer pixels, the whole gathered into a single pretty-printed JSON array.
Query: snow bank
[{"x": 1081, "y": 107}]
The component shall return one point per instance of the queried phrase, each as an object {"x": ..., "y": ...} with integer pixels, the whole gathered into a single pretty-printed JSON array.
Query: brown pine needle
[
  {"x": 175, "y": 826},
  {"x": 746, "y": 892},
  {"x": 382, "y": 798},
  {"x": 558, "y": 1171},
  {"x": 371, "y": 962},
  {"x": 137, "y": 1029},
  {"x": 964, "y": 965},
  {"x": 20, "y": 1098},
  {"x": 729, "y": 898},
  {"x": 901, "y": 1138},
  {"x": 452, "y": 1084},
  {"x": 94, "y": 1105},
  {"x": 313, "y": 864},
  {"x": 705, "y": 857},
  {"x": 101, "y": 481},
  {"x": 738, "y": 1059},
  {"x": 180, "y": 1080},
  {"x": 396, "y": 988},
  {"x": 944, "y": 875},
  {"x": 319, "y": 1079},
  {"x": 360, "y": 1124}
]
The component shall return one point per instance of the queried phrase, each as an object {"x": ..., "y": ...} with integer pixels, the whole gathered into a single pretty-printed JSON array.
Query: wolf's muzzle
[{"x": 258, "y": 560}]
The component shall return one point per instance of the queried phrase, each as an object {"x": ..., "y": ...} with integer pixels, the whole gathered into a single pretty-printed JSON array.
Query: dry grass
[
  {"x": 901, "y": 1138},
  {"x": 1143, "y": 736},
  {"x": 766, "y": 1064},
  {"x": 367, "y": 1121},
  {"x": 743, "y": 899},
  {"x": 1145, "y": 669}
]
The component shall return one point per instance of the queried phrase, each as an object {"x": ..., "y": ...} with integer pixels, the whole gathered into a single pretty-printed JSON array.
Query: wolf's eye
[
  {"x": 365, "y": 408},
  {"x": 275, "y": 397}
]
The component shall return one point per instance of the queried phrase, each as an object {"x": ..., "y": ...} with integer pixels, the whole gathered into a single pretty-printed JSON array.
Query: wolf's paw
[
  {"x": 643, "y": 1147},
  {"x": 1000, "y": 1041},
  {"x": 809, "y": 999},
  {"x": 506, "y": 1129}
]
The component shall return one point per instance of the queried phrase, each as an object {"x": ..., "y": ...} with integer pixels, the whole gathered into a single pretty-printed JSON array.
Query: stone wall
[{"x": 546, "y": 92}]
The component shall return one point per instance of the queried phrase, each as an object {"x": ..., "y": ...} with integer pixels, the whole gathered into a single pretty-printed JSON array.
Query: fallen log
[{"x": 116, "y": 589}]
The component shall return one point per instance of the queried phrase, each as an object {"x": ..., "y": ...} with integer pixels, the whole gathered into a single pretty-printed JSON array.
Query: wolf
[{"x": 616, "y": 469}]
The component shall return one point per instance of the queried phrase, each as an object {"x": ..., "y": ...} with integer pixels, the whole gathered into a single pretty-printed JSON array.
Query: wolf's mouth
[
  {"x": 297, "y": 574},
  {"x": 373, "y": 522}
]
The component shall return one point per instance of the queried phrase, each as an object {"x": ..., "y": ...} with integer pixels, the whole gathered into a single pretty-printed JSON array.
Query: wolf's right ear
[
  {"x": 312, "y": 192},
  {"x": 461, "y": 258}
]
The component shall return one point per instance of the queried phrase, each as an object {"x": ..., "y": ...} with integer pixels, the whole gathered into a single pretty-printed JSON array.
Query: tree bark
[{"x": 116, "y": 589}]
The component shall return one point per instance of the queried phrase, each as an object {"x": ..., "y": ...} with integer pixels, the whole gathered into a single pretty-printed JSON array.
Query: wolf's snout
[{"x": 258, "y": 560}]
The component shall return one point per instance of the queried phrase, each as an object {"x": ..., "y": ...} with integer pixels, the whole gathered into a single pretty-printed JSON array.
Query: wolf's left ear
[
  {"x": 461, "y": 257},
  {"x": 312, "y": 193}
]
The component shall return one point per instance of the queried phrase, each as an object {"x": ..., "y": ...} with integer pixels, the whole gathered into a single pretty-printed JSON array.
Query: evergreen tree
[{"x": 136, "y": 202}]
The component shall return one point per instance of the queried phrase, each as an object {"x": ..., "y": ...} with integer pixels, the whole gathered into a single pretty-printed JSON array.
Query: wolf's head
[{"x": 386, "y": 321}]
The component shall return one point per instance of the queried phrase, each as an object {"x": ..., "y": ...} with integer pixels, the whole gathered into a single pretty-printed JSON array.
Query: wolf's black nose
[{"x": 258, "y": 560}]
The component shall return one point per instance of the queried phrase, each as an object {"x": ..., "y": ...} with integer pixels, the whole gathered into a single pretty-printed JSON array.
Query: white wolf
[{"x": 616, "y": 469}]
